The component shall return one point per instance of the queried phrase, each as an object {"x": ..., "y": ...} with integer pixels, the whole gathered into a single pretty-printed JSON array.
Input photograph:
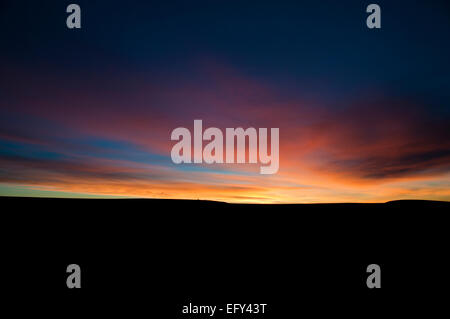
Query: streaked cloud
[{"x": 114, "y": 139}]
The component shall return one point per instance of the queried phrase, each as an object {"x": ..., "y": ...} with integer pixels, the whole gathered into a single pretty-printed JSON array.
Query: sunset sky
[{"x": 364, "y": 115}]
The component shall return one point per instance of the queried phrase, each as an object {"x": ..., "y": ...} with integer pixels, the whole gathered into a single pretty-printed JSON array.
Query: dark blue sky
[
  {"x": 315, "y": 44},
  {"x": 364, "y": 105}
]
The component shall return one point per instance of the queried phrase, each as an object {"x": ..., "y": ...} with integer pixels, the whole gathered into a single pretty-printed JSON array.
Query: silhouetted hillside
[
  {"x": 204, "y": 203},
  {"x": 165, "y": 253}
]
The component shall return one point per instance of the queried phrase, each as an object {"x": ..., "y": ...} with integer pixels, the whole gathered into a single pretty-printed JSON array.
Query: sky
[{"x": 364, "y": 114}]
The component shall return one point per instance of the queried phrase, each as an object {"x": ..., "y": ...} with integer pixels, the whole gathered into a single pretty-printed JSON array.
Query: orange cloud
[{"x": 372, "y": 149}]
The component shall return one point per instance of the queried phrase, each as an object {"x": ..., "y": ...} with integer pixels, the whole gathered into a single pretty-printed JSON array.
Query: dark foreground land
[{"x": 150, "y": 257}]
